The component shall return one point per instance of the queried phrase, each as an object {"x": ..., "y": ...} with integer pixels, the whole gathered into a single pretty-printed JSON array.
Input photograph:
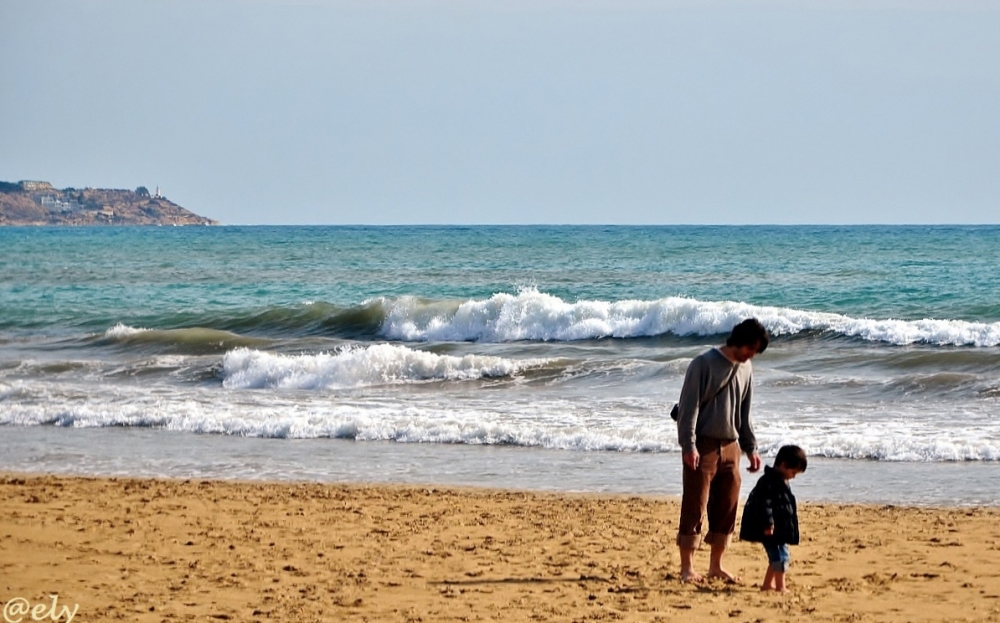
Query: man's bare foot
[
  {"x": 692, "y": 576},
  {"x": 722, "y": 574},
  {"x": 771, "y": 589}
]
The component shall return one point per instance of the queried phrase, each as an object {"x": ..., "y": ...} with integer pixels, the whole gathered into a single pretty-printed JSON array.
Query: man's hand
[
  {"x": 691, "y": 459},
  {"x": 755, "y": 462},
  {"x": 769, "y": 531}
]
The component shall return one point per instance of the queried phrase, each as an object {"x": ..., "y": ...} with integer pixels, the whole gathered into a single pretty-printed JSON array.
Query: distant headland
[{"x": 38, "y": 203}]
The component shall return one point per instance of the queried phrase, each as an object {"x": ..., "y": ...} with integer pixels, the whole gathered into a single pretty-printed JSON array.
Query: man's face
[{"x": 745, "y": 353}]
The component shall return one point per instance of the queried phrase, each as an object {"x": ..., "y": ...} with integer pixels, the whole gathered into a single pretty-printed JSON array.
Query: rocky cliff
[{"x": 38, "y": 203}]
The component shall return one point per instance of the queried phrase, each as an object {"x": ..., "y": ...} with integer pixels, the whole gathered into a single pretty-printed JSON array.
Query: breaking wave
[
  {"x": 379, "y": 364},
  {"x": 534, "y": 315},
  {"x": 531, "y": 315}
]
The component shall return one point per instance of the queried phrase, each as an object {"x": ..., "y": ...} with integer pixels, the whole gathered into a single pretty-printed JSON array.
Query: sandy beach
[{"x": 162, "y": 550}]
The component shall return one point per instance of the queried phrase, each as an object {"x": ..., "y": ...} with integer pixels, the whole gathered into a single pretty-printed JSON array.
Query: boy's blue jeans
[{"x": 778, "y": 556}]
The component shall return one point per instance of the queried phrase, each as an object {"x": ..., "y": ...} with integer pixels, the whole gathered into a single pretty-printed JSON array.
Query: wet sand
[{"x": 164, "y": 550}]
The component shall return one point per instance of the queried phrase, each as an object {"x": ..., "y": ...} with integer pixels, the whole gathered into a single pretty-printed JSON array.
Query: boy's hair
[
  {"x": 750, "y": 332},
  {"x": 792, "y": 457}
]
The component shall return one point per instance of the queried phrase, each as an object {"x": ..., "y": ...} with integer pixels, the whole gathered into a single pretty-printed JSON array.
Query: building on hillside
[
  {"x": 34, "y": 186},
  {"x": 53, "y": 204}
]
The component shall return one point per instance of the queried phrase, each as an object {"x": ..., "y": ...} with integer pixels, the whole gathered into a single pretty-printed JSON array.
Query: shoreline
[
  {"x": 157, "y": 453},
  {"x": 148, "y": 549}
]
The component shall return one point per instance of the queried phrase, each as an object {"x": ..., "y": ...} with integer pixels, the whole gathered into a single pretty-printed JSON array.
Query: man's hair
[
  {"x": 750, "y": 332},
  {"x": 792, "y": 457}
]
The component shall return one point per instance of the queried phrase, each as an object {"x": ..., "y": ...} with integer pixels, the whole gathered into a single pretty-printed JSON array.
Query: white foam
[
  {"x": 121, "y": 330},
  {"x": 534, "y": 315},
  {"x": 907, "y": 433},
  {"x": 12, "y": 391},
  {"x": 380, "y": 364}
]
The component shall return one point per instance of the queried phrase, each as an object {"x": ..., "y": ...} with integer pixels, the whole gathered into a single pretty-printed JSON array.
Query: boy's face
[{"x": 788, "y": 473}]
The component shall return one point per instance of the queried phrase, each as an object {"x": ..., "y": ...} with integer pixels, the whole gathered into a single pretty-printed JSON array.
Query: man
[{"x": 713, "y": 427}]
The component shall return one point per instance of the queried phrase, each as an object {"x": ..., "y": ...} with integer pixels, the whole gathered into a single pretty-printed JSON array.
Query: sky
[{"x": 512, "y": 111}]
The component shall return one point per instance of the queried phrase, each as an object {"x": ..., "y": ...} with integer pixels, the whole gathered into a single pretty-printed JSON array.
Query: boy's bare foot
[
  {"x": 771, "y": 589},
  {"x": 692, "y": 576}
]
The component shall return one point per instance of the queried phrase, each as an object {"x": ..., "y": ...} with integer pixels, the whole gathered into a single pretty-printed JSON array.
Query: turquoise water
[
  {"x": 550, "y": 339},
  {"x": 87, "y": 277}
]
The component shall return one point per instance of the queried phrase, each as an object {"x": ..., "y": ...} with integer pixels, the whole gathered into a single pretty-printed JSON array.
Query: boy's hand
[{"x": 769, "y": 531}]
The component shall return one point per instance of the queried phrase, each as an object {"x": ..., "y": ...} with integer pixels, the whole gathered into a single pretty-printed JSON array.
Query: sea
[{"x": 522, "y": 357}]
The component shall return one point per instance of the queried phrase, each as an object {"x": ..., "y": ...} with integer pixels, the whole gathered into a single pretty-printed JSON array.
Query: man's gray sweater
[{"x": 727, "y": 416}]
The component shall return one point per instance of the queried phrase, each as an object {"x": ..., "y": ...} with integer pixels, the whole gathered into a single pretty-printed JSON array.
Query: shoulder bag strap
[{"x": 721, "y": 389}]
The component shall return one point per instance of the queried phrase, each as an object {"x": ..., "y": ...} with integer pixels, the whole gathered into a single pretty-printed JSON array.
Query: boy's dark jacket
[{"x": 771, "y": 501}]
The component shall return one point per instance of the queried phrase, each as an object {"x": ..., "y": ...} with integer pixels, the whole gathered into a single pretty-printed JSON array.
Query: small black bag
[{"x": 673, "y": 412}]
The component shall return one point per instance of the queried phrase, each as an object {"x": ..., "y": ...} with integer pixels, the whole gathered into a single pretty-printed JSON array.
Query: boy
[{"x": 771, "y": 517}]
